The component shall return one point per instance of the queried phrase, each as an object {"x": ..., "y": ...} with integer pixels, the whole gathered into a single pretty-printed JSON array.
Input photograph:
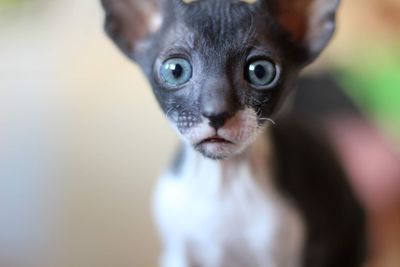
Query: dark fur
[{"x": 309, "y": 174}]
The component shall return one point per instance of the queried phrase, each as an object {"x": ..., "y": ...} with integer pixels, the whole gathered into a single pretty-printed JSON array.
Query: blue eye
[
  {"x": 261, "y": 73},
  {"x": 176, "y": 71}
]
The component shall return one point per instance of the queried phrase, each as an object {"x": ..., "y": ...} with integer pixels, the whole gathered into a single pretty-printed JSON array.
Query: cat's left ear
[
  {"x": 310, "y": 24},
  {"x": 131, "y": 22}
]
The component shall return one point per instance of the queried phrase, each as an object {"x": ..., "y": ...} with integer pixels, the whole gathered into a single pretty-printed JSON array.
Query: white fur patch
[{"x": 227, "y": 214}]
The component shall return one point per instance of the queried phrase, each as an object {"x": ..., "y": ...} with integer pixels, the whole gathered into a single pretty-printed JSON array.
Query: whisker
[
  {"x": 266, "y": 100},
  {"x": 170, "y": 110},
  {"x": 255, "y": 100},
  {"x": 268, "y": 119}
]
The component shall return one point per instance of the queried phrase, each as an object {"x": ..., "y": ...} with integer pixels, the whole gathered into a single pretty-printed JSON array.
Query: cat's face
[
  {"x": 219, "y": 69},
  {"x": 216, "y": 78}
]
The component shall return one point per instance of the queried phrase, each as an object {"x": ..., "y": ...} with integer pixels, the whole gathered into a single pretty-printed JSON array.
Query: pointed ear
[
  {"x": 310, "y": 24},
  {"x": 130, "y": 22}
]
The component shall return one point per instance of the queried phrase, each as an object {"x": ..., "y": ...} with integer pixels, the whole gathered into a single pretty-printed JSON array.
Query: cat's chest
[
  {"x": 219, "y": 209},
  {"x": 228, "y": 216}
]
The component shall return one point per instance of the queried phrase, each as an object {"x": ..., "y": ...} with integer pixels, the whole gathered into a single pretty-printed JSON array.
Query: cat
[{"x": 242, "y": 191}]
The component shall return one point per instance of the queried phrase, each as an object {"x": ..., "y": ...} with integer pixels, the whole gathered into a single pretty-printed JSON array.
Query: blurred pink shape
[
  {"x": 371, "y": 161},
  {"x": 373, "y": 165}
]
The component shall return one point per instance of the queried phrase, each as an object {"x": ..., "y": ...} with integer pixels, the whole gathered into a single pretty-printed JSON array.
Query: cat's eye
[
  {"x": 176, "y": 71},
  {"x": 261, "y": 73}
]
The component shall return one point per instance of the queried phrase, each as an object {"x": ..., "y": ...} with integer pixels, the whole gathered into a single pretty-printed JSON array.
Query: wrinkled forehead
[
  {"x": 219, "y": 24},
  {"x": 218, "y": 16}
]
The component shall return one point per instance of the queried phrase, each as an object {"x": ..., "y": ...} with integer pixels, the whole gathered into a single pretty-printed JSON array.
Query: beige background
[{"x": 82, "y": 142}]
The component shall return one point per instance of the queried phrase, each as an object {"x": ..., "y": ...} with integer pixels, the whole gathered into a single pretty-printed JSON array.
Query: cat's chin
[{"x": 218, "y": 151}]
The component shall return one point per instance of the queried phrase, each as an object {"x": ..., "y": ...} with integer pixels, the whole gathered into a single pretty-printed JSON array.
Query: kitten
[{"x": 241, "y": 192}]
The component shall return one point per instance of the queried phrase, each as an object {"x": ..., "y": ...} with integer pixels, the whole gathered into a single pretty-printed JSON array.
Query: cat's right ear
[
  {"x": 309, "y": 24},
  {"x": 131, "y": 22}
]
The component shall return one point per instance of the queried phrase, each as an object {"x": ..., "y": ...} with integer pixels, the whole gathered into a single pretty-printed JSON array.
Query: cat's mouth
[
  {"x": 215, "y": 147},
  {"x": 215, "y": 140}
]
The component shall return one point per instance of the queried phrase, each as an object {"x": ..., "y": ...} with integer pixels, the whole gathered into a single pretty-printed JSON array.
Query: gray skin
[{"x": 219, "y": 38}]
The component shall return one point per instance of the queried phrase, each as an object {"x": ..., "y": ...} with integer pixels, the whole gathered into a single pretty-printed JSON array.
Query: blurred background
[{"x": 82, "y": 140}]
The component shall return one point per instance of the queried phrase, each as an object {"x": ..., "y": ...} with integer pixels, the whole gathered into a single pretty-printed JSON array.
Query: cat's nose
[
  {"x": 218, "y": 101},
  {"x": 217, "y": 120}
]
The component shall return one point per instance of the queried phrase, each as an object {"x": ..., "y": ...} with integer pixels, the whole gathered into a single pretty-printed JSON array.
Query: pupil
[
  {"x": 177, "y": 71},
  {"x": 260, "y": 71}
]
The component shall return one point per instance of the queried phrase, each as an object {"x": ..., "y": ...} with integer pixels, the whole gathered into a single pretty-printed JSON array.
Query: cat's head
[{"x": 220, "y": 68}]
